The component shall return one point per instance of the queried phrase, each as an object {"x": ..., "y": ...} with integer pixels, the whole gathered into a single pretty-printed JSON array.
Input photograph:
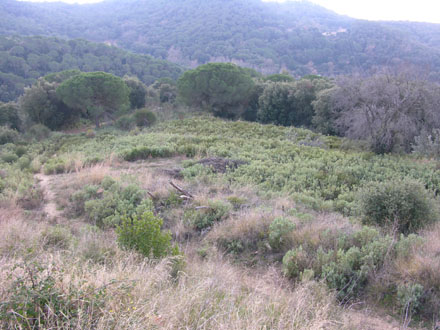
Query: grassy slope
[{"x": 283, "y": 177}]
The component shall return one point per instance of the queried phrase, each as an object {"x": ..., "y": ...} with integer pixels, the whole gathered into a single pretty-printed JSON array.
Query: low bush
[
  {"x": 9, "y": 157},
  {"x": 8, "y": 135},
  {"x": 20, "y": 150},
  {"x": 140, "y": 153},
  {"x": 409, "y": 297},
  {"x": 144, "y": 118},
  {"x": 143, "y": 233},
  {"x": 125, "y": 122},
  {"x": 38, "y": 132},
  {"x": 105, "y": 205},
  {"x": 205, "y": 217},
  {"x": 54, "y": 166},
  {"x": 279, "y": 231},
  {"x": 295, "y": 262},
  {"x": 404, "y": 204},
  {"x": 24, "y": 163}
]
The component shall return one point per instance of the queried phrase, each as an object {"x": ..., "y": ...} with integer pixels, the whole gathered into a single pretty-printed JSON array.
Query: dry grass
[
  {"x": 140, "y": 294},
  {"x": 92, "y": 175},
  {"x": 323, "y": 230},
  {"x": 247, "y": 227}
]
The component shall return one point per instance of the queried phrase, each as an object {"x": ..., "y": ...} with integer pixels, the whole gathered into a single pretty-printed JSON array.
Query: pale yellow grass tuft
[{"x": 93, "y": 175}]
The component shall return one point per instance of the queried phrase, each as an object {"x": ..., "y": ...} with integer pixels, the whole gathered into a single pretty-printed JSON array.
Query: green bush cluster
[
  {"x": 139, "y": 153},
  {"x": 142, "y": 232},
  {"x": 55, "y": 166},
  {"x": 409, "y": 297},
  {"x": 8, "y": 135},
  {"x": 105, "y": 205},
  {"x": 404, "y": 204},
  {"x": 206, "y": 216},
  {"x": 279, "y": 231},
  {"x": 140, "y": 118},
  {"x": 345, "y": 268},
  {"x": 38, "y": 132},
  {"x": 144, "y": 118}
]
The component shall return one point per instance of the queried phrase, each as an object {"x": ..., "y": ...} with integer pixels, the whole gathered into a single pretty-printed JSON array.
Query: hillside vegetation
[
  {"x": 298, "y": 36},
  {"x": 25, "y": 59},
  {"x": 250, "y": 197}
]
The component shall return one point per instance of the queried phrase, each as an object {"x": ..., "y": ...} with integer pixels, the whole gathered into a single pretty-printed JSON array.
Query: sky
[{"x": 406, "y": 10}]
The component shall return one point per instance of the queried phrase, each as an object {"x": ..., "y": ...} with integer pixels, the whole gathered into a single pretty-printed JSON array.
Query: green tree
[
  {"x": 9, "y": 115},
  {"x": 222, "y": 88},
  {"x": 41, "y": 105},
  {"x": 95, "y": 94},
  {"x": 138, "y": 92}
]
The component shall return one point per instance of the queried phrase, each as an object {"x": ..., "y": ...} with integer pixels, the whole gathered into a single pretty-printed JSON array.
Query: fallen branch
[
  {"x": 202, "y": 207},
  {"x": 186, "y": 194}
]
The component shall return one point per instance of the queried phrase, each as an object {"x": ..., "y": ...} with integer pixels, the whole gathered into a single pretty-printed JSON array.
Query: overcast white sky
[{"x": 411, "y": 10}]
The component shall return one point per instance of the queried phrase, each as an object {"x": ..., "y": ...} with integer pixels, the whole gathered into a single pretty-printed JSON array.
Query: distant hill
[
  {"x": 299, "y": 36},
  {"x": 24, "y": 59}
]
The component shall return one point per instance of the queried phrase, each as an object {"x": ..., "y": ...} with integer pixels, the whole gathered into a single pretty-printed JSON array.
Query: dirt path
[{"x": 50, "y": 207}]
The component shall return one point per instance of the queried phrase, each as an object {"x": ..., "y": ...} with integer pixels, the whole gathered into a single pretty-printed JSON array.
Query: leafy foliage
[
  {"x": 144, "y": 118},
  {"x": 279, "y": 230},
  {"x": 404, "y": 204},
  {"x": 106, "y": 205},
  {"x": 222, "y": 88},
  {"x": 9, "y": 115},
  {"x": 143, "y": 234},
  {"x": 95, "y": 94}
]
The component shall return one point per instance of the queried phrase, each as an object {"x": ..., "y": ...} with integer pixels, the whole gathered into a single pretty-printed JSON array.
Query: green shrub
[
  {"x": 348, "y": 271},
  {"x": 38, "y": 132},
  {"x": 144, "y": 118},
  {"x": 54, "y": 166},
  {"x": 24, "y": 163},
  {"x": 279, "y": 231},
  {"x": 9, "y": 157},
  {"x": 139, "y": 153},
  {"x": 206, "y": 217},
  {"x": 406, "y": 245},
  {"x": 410, "y": 297},
  {"x": 106, "y": 208},
  {"x": 126, "y": 122},
  {"x": 79, "y": 198},
  {"x": 20, "y": 150},
  {"x": 294, "y": 262},
  {"x": 236, "y": 202},
  {"x": 404, "y": 204},
  {"x": 8, "y": 135},
  {"x": 143, "y": 234}
]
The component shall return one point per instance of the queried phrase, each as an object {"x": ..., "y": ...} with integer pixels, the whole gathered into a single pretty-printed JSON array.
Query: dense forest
[
  {"x": 24, "y": 59},
  {"x": 298, "y": 36}
]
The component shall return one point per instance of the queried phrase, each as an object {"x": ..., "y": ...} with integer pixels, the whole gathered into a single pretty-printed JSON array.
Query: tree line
[{"x": 390, "y": 112}]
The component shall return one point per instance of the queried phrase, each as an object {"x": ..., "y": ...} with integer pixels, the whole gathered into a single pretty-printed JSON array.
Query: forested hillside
[
  {"x": 298, "y": 36},
  {"x": 24, "y": 59}
]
